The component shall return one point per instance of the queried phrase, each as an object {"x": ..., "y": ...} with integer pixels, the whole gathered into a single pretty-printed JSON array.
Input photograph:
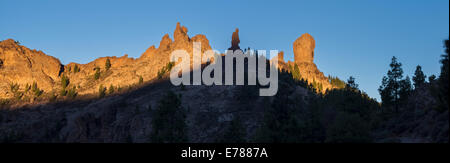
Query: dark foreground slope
[{"x": 161, "y": 112}]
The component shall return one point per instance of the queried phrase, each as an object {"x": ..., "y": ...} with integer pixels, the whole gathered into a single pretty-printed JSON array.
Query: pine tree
[
  {"x": 391, "y": 85},
  {"x": 64, "y": 81},
  {"x": 351, "y": 83},
  {"x": 443, "y": 77},
  {"x": 107, "y": 64},
  {"x": 101, "y": 91},
  {"x": 419, "y": 77},
  {"x": 97, "y": 73},
  {"x": 405, "y": 89}
]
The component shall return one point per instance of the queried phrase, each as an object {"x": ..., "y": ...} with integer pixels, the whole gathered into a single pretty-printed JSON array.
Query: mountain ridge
[{"x": 125, "y": 71}]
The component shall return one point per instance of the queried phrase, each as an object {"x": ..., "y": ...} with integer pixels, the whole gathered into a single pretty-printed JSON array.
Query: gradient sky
[{"x": 353, "y": 37}]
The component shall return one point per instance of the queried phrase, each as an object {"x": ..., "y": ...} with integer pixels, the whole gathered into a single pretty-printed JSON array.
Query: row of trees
[
  {"x": 33, "y": 89},
  {"x": 395, "y": 88}
]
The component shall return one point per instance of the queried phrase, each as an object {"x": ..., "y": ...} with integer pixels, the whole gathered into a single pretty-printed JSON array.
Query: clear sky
[{"x": 353, "y": 37}]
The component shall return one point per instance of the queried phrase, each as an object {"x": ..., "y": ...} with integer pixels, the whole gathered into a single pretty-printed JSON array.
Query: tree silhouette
[
  {"x": 419, "y": 77},
  {"x": 351, "y": 83},
  {"x": 394, "y": 88},
  {"x": 443, "y": 78}
]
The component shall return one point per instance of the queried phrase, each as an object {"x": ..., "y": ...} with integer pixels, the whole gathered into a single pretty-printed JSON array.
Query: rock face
[
  {"x": 304, "y": 49},
  {"x": 281, "y": 56},
  {"x": 235, "y": 40},
  {"x": 24, "y": 66},
  {"x": 304, "y": 59}
]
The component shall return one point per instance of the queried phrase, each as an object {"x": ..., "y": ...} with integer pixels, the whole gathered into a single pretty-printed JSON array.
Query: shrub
[
  {"x": 27, "y": 88},
  {"x": 14, "y": 87},
  {"x": 165, "y": 69},
  {"x": 141, "y": 80},
  {"x": 97, "y": 73},
  {"x": 62, "y": 92},
  {"x": 72, "y": 93},
  {"x": 36, "y": 91},
  {"x": 64, "y": 81},
  {"x": 101, "y": 91},
  {"x": 111, "y": 89}
]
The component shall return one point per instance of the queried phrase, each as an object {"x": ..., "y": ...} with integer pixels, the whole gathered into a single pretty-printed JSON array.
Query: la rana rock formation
[{"x": 22, "y": 66}]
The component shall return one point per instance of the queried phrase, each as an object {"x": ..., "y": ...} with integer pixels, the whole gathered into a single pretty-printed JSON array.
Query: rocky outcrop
[
  {"x": 235, "y": 41},
  {"x": 22, "y": 66},
  {"x": 280, "y": 56},
  {"x": 304, "y": 49},
  {"x": 304, "y": 59}
]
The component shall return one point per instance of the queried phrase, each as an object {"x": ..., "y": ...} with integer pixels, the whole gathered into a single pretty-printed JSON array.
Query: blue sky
[{"x": 353, "y": 37}]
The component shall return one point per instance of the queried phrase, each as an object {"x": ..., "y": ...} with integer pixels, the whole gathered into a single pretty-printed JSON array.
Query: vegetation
[
  {"x": 107, "y": 64},
  {"x": 340, "y": 115},
  {"x": 76, "y": 69},
  {"x": 64, "y": 81},
  {"x": 97, "y": 73},
  {"x": 336, "y": 82},
  {"x": 351, "y": 83},
  {"x": 235, "y": 133},
  {"x": 169, "y": 121},
  {"x": 348, "y": 127},
  {"x": 27, "y": 88},
  {"x": 432, "y": 78},
  {"x": 394, "y": 88},
  {"x": 36, "y": 91},
  {"x": 72, "y": 93},
  {"x": 287, "y": 120},
  {"x": 419, "y": 77},
  {"x": 295, "y": 72},
  {"x": 141, "y": 80},
  {"x": 64, "y": 84},
  {"x": 111, "y": 89},
  {"x": 419, "y": 111},
  {"x": 165, "y": 69},
  {"x": 14, "y": 88},
  {"x": 101, "y": 91},
  {"x": 443, "y": 78}
]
